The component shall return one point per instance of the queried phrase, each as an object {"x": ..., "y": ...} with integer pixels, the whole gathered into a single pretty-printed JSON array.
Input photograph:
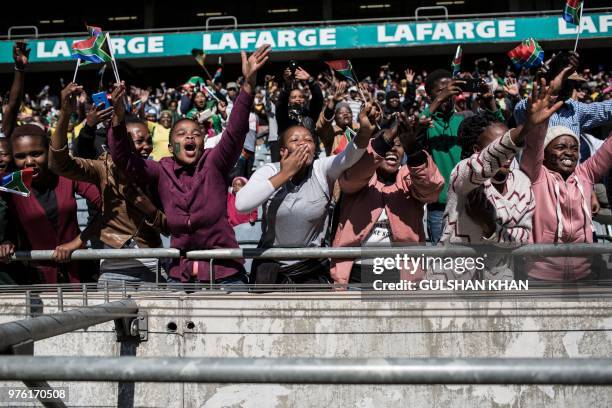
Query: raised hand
[
  {"x": 410, "y": 127},
  {"x": 409, "y": 75},
  {"x": 292, "y": 163},
  {"x": 21, "y": 54},
  {"x": 540, "y": 106},
  {"x": 369, "y": 117},
  {"x": 117, "y": 96},
  {"x": 97, "y": 114},
  {"x": 340, "y": 92},
  {"x": 6, "y": 250},
  {"x": 69, "y": 97},
  {"x": 453, "y": 89},
  {"x": 301, "y": 74},
  {"x": 557, "y": 83},
  {"x": 511, "y": 86},
  {"x": 252, "y": 64}
]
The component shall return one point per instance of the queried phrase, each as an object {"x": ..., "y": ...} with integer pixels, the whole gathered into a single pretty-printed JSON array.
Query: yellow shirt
[{"x": 161, "y": 139}]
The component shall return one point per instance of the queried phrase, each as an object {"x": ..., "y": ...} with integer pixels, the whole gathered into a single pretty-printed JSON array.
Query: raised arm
[
  {"x": 257, "y": 190},
  {"x": 20, "y": 55},
  {"x": 598, "y": 165},
  {"x": 226, "y": 153},
  {"x": 334, "y": 166},
  {"x": 60, "y": 160},
  {"x": 133, "y": 165},
  {"x": 539, "y": 109}
]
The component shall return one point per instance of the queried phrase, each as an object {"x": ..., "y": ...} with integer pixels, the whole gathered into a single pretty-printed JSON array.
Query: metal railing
[
  {"x": 169, "y": 30},
  {"x": 587, "y": 371},
  {"x": 563, "y": 250}
]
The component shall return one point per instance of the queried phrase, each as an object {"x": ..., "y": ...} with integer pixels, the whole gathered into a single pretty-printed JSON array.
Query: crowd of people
[{"x": 483, "y": 157}]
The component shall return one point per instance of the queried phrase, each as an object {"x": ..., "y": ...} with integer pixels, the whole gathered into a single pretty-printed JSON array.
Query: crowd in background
[{"x": 350, "y": 164}]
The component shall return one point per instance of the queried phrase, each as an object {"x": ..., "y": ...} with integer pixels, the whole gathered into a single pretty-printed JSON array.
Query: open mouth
[
  {"x": 190, "y": 149},
  {"x": 567, "y": 162},
  {"x": 391, "y": 159},
  {"x": 35, "y": 172}
]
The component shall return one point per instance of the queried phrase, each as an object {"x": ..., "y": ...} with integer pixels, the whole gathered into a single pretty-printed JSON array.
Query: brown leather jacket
[{"x": 121, "y": 219}]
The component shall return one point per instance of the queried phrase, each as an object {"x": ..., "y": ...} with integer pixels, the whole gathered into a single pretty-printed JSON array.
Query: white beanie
[{"x": 554, "y": 132}]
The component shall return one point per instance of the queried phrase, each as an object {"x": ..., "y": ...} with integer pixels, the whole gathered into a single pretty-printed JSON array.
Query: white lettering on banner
[
  {"x": 587, "y": 25},
  {"x": 286, "y": 38},
  {"x": 605, "y": 22},
  {"x": 464, "y": 30},
  {"x": 265, "y": 38},
  {"x": 327, "y": 36},
  {"x": 423, "y": 29},
  {"x": 280, "y": 39},
  {"x": 486, "y": 29},
  {"x": 41, "y": 52},
  {"x": 442, "y": 30},
  {"x": 118, "y": 46},
  {"x": 136, "y": 45},
  {"x": 507, "y": 29},
  {"x": 156, "y": 44},
  {"x": 247, "y": 38},
  {"x": 308, "y": 37},
  {"x": 228, "y": 41},
  {"x": 61, "y": 48}
]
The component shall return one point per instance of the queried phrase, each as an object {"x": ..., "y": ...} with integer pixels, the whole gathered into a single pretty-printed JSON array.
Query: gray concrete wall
[{"x": 342, "y": 325}]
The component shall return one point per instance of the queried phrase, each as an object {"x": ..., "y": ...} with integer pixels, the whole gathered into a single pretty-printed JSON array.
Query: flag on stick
[
  {"x": 349, "y": 134},
  {"x": 572, "y": 11},
  {"x": 527, "y": 54},
  {"x": 94, "y": 50},
  {"x": 218, "y": 74},
  {"x": 93, "y": 30},
  {"x": 343, "y": 67},
  {"x": 456, "y": 64},
  {"x": 18, "y": 182}
]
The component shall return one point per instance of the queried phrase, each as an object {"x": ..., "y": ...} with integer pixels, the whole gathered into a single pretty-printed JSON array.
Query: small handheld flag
[
  {"x": 343, "y": 67},
  {"x": 572, "y": 11},
  {"x": 527, "y": 54},
  {"x": 218, "y": 74},
  {"x": 94, "y": 50},
  {"x": 18, "y": 182},
  {"x": 456, "y": 64},
  {"x": 93, "y": 31},
  {"x": 349, "y": 134}
]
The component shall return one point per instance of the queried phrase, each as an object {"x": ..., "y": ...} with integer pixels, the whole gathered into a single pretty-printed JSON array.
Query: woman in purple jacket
[{"x": 193, "y": 183}]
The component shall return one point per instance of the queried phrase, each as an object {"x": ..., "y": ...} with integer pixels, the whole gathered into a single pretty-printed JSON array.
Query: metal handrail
[
  {"x": 51, "y": 325},
  {"x": 221, "y": 18},
  {"x": 562, "y": 250},
  {"x": 582, "y": 371},
  {"x": 416, "y": 12},
  {"x": 169, "y": 30},
  {"x": 10, "y": 30}
]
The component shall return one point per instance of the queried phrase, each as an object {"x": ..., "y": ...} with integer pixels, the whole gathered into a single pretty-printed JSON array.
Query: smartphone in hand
[{"x": 99, "y": 98}]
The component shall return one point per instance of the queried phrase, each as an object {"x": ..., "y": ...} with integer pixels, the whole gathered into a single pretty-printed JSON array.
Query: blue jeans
[{"x": 434, "y": 225}]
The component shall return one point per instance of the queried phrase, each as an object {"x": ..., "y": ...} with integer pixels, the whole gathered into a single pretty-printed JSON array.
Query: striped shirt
[
  {"x": 573, "y": 114},
  {"x": 514, "y": 210}
]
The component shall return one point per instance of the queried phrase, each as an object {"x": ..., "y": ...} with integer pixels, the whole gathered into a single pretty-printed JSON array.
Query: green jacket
[{"x": 443, "y": 144}]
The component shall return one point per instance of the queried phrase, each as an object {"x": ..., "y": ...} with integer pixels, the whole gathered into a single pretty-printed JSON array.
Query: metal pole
[
  {"x": 94, "y": 254},
  {"x": 45, "y": 326},
  {"x": 310, "y": 371}
]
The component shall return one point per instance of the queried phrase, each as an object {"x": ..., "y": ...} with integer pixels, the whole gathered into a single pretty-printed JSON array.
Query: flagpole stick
[
  {"x": 362, "y": 95},
  {"x": 76, "y": 70},
  {"x": 579, "y": 27},
  {"x": 113, "y": 62}
]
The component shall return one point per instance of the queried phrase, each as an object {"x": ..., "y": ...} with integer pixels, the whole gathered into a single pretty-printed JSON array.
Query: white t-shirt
[{"x": 381, "y": 232}]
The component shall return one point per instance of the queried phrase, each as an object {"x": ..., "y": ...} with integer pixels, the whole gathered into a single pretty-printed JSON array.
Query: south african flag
[
  {"x": 571, "y": 12},
  {"x": 18, "y": 182},
  {"x": 94, "y": 50},
  {"x": 343, "y": 67}
]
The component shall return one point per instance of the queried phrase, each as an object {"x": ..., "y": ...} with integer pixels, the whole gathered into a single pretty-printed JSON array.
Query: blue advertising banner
[{"x": 340, "y": 37}]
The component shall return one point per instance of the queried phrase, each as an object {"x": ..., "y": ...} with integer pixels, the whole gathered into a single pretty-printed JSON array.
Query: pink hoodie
[
  {"x": 365, "y": 197},
  {"x": 563, "y": 210}
]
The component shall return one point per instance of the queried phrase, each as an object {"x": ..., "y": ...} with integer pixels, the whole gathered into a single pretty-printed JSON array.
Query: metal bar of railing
[
  {"x": 168, "y": 30},
  {"x": 567, "y": 250},
  {"x": 45, "y": 326},
  {"x": 94, "y": 254},
  {"x": 588, "y": 371}
]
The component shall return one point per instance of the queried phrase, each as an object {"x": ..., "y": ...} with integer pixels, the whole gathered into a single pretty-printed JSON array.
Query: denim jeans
[
  {"x": 237, "y": 279},
  {"x": 434, "y": 225}
]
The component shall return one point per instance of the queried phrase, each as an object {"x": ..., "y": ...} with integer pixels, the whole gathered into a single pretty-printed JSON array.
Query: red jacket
[
  {"x": 365, "y": 197},
  {"x": 41, "y": 234}
]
